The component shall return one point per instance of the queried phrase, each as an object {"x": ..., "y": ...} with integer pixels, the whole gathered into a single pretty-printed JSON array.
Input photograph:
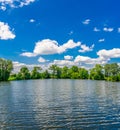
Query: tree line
[{"x": 109, "y": 72}]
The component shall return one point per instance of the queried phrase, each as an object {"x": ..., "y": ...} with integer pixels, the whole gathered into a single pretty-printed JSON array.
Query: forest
[{"x": 109, "y": 72}]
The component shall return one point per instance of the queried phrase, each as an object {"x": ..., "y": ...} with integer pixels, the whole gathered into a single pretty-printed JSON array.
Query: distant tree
[
  {"x": 56, "y": 71},
  {"x": 46, "y": 74},
  {"x": 23, "y": 74},
  {"x": 96, "y": 73},
  {"x": 112, "y": 72},
  {"x": 6, "y": 67},
  {"x": 83, "y": 73},
  {"x": 73, "y": 72},
  {"x": 64, "y": 72},
  {"x": 35, "y": 74}
]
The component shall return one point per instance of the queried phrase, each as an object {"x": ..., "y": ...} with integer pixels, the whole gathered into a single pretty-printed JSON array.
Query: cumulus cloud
[
  {"x": 42, "y": 60},
  {"x": 14, "y": 3},
  {"x": 107, "y": 54},
  {"x": 48, "y": 47},
  {"x": 63, "y": 63},
  {"x": 28, "y": 54},
  {"x": 85, "y": 48},
  {"x": 68, "y": 57},
  {"x": 96, "y": 29},
  {"x": 5, "y": 32},
  {"x": 18, "y": 65},
  {"x": 87, "y": 21},
  {"x": 108, "y": 29},
  {"x": 101, "y": 40},
  {"x": 103, "y": 57},
  {"x": 89, "y": 61},
  {"x": 70, "y": 44}
]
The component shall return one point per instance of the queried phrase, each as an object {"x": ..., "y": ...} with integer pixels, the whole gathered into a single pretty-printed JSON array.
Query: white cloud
[
  {"x": 62, "y": 63},
  {"x": 96, "y": 29},
  {"x": 18, "y": 65},
  {"x": 70, "y": 44},
  {"x": 32, "y": 20},
  {"x": 103, "y": 57},
  {"x": 89, "y": 61},
  {"x": 48, "y": 47},
  {"x": 42, "y": 60},
  {"x": 68, "y": 57},
  {"x": 87, "y": 21},
  {"x": 14, "y": 3},
  {"x": 101, "y": 40},
  {"x": 5, "y": 32},
  {"x": 85, "y": 48},
  {"x": 108, "y": 54},
  {"x": 108, "y": 29},
  {"x": 118, "y": 30},
  {"x": 28, "y": 54}
]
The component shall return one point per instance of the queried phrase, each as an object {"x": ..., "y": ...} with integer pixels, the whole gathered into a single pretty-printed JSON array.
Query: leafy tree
[
  {"x": 6, "y": 67},
  {"x": 64, "y": 72},
  {"x": 56, "y": 71},
  {"x": 73, "y": 72},
  {"x": 112, "y": 72},
  {"x": 35, "y": 73},
  {"x": 83, "y": 73},
  {"x": 23, "y": 74},
  {"x": 46, "y": 74},
  {"x": 96, "y": 73}
]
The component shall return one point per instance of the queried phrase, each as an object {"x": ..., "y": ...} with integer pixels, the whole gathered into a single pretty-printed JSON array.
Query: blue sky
[{"x": 62, "y": 32}]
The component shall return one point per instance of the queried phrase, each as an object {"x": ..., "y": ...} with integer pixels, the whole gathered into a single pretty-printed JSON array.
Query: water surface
[{"x": 59, "y": 104}]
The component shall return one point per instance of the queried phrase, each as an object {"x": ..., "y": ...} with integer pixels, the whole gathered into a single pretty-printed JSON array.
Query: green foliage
[
  {"x": 110, "y": 72},
  {"x": 6, "y": 67},
  {"x": 45, "y": 75},
  {"x": 64, "y": 72},
  {"x": 35, "y": 74},
  {"x": 56, "y": 71},
  {"x": 96, "y": 73},
  {"x": 12, "y": 77},
  {"x": 83, "y": 73},
  {"x": 23, "y": 74}
]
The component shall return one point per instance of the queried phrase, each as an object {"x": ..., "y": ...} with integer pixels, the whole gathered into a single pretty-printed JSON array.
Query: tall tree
[
  {"x": 96, "y": 73},
  {"x": 64, "y": 72},
  {"x": 112, "y": 72},
  {"x": 83, "y": 73},
  {"x": 6, "y": 67},
  {"x": 35, "y": 74},
  {"x": 23, "y": 74}
]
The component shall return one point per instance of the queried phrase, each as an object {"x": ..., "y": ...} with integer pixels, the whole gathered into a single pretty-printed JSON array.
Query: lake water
[{"x": 59, "y": 105}]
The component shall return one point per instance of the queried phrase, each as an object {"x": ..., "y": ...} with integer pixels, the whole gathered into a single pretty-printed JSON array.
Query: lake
[{"x": 59, "y": 105}]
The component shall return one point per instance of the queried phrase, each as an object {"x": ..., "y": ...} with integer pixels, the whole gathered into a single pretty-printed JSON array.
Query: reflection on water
[{"x": 59, "y": 104}]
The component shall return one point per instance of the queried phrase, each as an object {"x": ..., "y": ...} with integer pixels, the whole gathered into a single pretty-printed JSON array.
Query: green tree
[
  {"x": 96, "y": 73},
  {"x": 6, "y": 67},
  {"x": 55, "y": 71},
  {"x": 23, "y": 74},
  {"x": 46, "y": 74},
  {"x": 35, "y": 74},
  {"x": 73, "y": 72},
  {"x": 83, "y": 73},
  {"x": 112, "y": 72},
  {"x": 64, "y": 72}
]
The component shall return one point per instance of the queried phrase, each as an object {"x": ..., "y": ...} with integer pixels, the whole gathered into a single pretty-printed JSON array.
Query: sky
[{"x": 61, "y": 32}]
